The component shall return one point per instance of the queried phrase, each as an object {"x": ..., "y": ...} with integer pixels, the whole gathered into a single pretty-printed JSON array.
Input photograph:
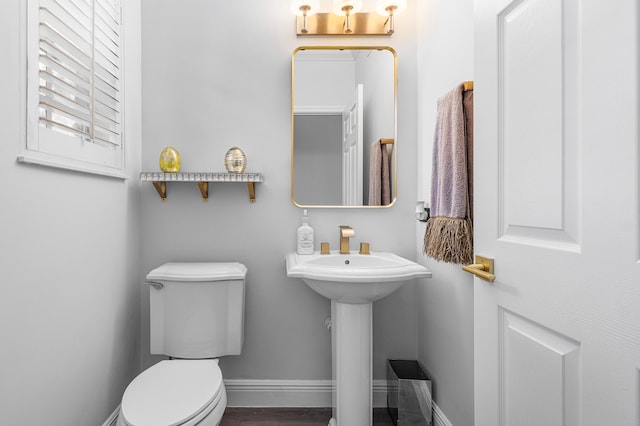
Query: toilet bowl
[{"x": 176, "y": 393}]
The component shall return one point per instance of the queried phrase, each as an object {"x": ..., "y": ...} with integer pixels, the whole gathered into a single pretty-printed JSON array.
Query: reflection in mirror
[{"x": 343, "y": 126}]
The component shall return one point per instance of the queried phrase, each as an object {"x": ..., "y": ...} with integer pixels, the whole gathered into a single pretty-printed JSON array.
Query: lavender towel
[
  {"x": 449, "y": 233},
  {"x": 379, "y": 177}
]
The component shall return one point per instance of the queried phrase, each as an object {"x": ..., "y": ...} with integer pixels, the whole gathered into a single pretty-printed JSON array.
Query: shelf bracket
[
  {"x": 161, "y": 187},
  {"x": 252, "y": 192},
  {"x": 204, "y": 190}
]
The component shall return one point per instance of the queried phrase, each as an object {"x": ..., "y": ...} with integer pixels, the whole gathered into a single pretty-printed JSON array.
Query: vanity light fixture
[{"x": 347, "y": 18}]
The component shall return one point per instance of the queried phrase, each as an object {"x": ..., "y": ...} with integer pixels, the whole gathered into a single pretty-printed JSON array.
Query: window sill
[{"x": 67, "y": 164}]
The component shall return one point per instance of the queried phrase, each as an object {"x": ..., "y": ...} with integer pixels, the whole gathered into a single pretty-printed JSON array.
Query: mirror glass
[{"x": 343, "y": 103}]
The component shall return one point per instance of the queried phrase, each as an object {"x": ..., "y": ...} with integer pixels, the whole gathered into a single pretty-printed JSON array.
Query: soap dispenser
[{"x": 305, "y": 236}]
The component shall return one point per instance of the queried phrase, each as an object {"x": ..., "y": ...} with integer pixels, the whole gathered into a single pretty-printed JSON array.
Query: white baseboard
[
  {"x": 379, "y": 393},
  {"x": 278, "y": 393},
  {"x": 290, "y": 393},
  {"x": 113, "y": 418},
  {"x": 293, "y": 393}
]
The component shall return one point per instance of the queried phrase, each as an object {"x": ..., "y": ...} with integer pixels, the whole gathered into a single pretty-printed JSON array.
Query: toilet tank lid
[{"x": 199, "y": 271}]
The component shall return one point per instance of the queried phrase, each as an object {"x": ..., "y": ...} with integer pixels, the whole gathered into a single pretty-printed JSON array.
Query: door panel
[
  {"x": 538, "y": 123},
  {"x": 531, "y": 77},
  {"x": 352, "y": 150},
  {"x": 540, "y": 371}
]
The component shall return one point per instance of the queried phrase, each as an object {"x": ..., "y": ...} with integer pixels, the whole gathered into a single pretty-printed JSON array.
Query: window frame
[{"x": 46, "y": 147}]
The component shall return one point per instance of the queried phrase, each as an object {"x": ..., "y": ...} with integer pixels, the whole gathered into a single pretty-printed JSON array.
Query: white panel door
[
  {"x": 352, "y": 149},
  {"x": 557, "y": 335}
]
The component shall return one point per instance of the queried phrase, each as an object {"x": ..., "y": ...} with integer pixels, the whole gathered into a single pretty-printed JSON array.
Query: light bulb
[
  {"x": 299, "y": 7},
  {"x": 341, "y": 7},
  {"x": 390, "y": 7}
]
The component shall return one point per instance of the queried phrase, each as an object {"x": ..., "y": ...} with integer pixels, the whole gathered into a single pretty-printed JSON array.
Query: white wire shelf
[{"x": 202, "y": 179}]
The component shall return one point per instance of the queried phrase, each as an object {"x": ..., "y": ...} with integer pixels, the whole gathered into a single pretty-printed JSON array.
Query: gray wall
[
  {"x": 445, "y": 326},
  {"x": 217, "y": 74},
  {"x": 318, "y": 160},
  {"x": 72, "y": 289},
  {"x": 69, "y": 304}
]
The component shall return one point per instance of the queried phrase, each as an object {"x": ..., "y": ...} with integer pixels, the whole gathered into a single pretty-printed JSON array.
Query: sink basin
[{"x": 354, "y": 278}]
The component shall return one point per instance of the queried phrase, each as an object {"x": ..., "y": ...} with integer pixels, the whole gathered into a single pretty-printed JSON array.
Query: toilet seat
[{"x": 172, "y": 393}]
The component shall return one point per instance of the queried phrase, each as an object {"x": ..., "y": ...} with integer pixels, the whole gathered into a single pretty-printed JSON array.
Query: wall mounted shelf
[{"x": 160, "y": 179}]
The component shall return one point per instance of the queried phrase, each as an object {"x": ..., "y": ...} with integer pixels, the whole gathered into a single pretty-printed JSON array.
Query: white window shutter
[{"x": 74, "y": 85}]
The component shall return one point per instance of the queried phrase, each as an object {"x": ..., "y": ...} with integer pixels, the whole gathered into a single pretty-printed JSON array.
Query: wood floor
[{"x": 248, "y": 416}]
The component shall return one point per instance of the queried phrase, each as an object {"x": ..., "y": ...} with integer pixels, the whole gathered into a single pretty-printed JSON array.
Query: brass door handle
[{"x": 483, "y": 269}]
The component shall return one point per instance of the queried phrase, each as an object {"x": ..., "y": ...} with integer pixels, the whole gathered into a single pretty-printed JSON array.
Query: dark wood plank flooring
[{"x": 250, "y": 416}]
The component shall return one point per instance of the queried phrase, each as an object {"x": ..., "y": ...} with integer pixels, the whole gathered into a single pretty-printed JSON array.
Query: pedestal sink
[{"x": 353, "y": 282}]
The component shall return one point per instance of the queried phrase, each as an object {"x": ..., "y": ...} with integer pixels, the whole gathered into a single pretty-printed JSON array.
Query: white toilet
[{"x": 196, "y": 316}]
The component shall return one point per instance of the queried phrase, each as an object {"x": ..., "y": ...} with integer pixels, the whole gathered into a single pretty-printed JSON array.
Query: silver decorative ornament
[{"x": 235, "y": 160}]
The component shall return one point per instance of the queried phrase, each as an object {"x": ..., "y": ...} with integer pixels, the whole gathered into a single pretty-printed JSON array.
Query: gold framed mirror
[{"x": 343, "y": 126}]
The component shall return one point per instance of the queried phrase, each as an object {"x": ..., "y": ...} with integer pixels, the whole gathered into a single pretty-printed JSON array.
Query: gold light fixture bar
[{"x": 322, "y": 24}]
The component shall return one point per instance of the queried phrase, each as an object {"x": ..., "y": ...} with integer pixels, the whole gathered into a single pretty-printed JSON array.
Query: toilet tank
[{"x": 197, "y": 309}]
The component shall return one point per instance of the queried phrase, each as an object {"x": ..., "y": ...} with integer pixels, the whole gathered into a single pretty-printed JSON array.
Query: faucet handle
[
  {"x": 364, "y": 248},
  {"x": 324, "y": 248}
]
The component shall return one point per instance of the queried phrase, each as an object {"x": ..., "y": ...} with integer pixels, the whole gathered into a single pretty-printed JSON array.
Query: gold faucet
[{"x": 346, "y": 232}]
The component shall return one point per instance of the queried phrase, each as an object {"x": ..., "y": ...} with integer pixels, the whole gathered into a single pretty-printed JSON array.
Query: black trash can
[{"x": 409, "y": 393}]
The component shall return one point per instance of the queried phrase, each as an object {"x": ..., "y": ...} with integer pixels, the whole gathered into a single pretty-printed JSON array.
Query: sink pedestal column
[{"x": 351, "y": 346}]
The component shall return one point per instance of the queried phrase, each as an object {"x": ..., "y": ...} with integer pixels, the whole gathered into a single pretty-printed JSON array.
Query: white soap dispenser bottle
[{"x": 305, "y": 236}]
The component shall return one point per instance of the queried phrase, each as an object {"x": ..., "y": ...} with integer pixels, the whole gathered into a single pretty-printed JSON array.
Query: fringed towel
[
  {"x": 449, "y": 233},
  {"x": 379, "y": 177}
]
